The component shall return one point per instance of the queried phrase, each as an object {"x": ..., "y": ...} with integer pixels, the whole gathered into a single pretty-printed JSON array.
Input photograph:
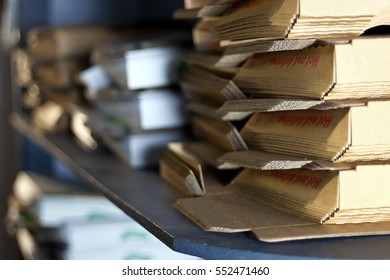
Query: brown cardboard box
[
  {"x": 334, "y": 72},
  {"x": 339, "y": 135},
  {"x": 286, "y": 205},
  {"x": 322, "y": 196}
]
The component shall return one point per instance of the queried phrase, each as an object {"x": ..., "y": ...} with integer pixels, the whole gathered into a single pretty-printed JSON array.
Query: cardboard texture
[
  {"x": 215, "y": 113},
  {"x": 280, "y": 206},
  {"x": 300, "y": 19},
  {"x": 301, "y": 232},
  {"x": 220, "y": 133},
  {"x": 182, "y": 170},
  {"x": 241, "y": 109},
  {"x": 270, "y": 161},
  {"x": 210, "y": 154},
  {"x": 233, "y": 212},
  {"x": 340, "y": 135},
  {"x": 207, "y": 86},
  {"x": 186, "y": 172},
  {"x": 312, "y": 93},
  {"x": 323, "y": 196},
  {"x": 331, "y": 72}
]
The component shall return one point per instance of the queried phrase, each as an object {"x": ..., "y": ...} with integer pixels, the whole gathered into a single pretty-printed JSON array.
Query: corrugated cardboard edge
[
  {"x": 275, "y": 105},
  {"x": 240, "y": 109},
  {"x": 257, "y": 45},
  {"x": 193, "y": 176},
  {"x": 213, "y": 112},
  {"x": 233, "y": 212},
  {"x": 302, "y": 232},
  {"x": 208, "y": 153},
  {"x": 179, "y": 175},
  {"x": 271, "y": 161}
]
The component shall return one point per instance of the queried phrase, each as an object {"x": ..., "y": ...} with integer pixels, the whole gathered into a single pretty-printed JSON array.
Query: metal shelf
[{"x": 142, "y": 195}]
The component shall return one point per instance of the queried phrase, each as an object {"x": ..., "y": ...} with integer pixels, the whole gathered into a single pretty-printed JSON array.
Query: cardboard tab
[
  {"x": 182, "y": 170},
  {"x": 185, "y": 171},
  {"x": 209, "y": 86},
  {"x": 221, "y": 133}
]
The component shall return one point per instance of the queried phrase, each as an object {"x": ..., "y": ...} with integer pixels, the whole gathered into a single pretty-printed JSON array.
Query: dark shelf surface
[{"x": 142, "y": 195}]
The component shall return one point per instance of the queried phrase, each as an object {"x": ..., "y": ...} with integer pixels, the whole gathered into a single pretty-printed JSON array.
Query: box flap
[
  {"x": 232, "y": 212},
  {"x": 314, "y": 231},
  {"x": 221, "y": 133},
  {"x": 267, "y": 13},
  {"x": 181, "y": 170}
]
